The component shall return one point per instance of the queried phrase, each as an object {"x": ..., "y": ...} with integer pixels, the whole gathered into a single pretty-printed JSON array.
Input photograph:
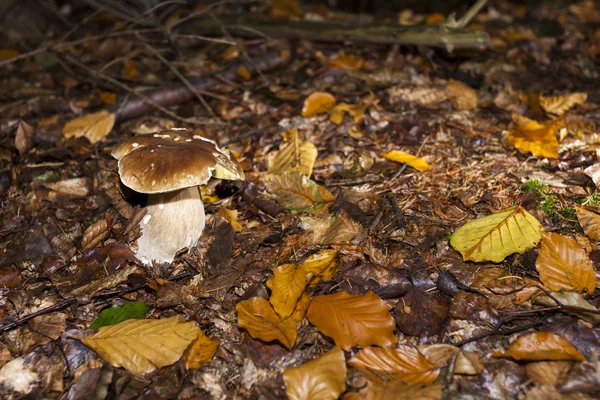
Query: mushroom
[{"x": 169, "y": 166}]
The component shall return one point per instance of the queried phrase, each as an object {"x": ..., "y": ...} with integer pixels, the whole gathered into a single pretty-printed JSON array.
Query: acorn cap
[{"x": 170, "y": 160}]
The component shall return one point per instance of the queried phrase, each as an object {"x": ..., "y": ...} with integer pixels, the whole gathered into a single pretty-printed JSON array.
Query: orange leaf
[
  {"x": 317, "y": 103},
  {"x": 336, "y": 114},
  {"x": 404, "y": 363},
  {"x": 542, "y": 346},
  {"x": 108, "y": 98},
  {"x": 589, "y": 219},
  {"x": 287, "y": 285},
  {"x": 200, "y": 351},
  {"x": 244, "y": 73},
  {"x": 323, "y": 378},
  {"x": 395, "y": 390},
  {"x": 353, "y": 320},
  {"x": 531, "y": 136},
  {"x": 93, "y": 126},
  {"x": 258, "y": 318},
  {"x": 301, "y": 308},
  {"x": 564, "y": 264},
  {"x": 347, "y": 62}
]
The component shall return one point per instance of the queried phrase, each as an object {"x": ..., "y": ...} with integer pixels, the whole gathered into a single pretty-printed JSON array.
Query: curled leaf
[
  {"x": 401, "y": 157},
  {"x": 316, "y": 103}
]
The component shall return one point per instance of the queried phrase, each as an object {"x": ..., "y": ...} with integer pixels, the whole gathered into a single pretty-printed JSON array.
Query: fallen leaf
[
  {"x": 394, "y": 390},
  {"x": 496, "y": 236},
  {"x": 420, "y": 313},
  {"x": 200, "y": 351},
  {"x": 320, "y": 379},
  {"x": 287, "y": 285},
  {"x": 560, "y": 104},
  {"x": 118, "y": 314},
  {"x": 335, "y": 229},
  {"x": 244, "y": 73},
  {"x": 130, "y": 70},
  {"x": 260, "y": 320},
  {"x": 93, "y": 126},
  {"x": 296, "y": 193},
  {"x": 230, "y": 216},
  {"x": 548, "y": 373},
  {"x": 301, "y": 308},
  {"x": 94, "y": 234},
  {"x": 353, "y": 320},
  {"x": 108, "y": 98},
  {"x": 573, "y": 299},
  {"x": 24, "y": 137},
  {"x": 7, "y": 54},
  {"x": 564, "y": 264},
  {"x": 589, "y": 219},
  {"x": 346, "y": 62},
  {"x": 402, "y": 363},
  {"x": 142, "y": 346},
  {"x": 285, "y": 8},
  {"x": 541, "y": 346},
  {"x": 316, "y": 103},
  {"x": 461, "y": 96},
  {"x": 337, "y": 112},
  {"x": 468, "y": 363},
  {"x": 531, "y": 136},
  {"x": 296, "y": 155},
  {"x": 401, "y": 157}
]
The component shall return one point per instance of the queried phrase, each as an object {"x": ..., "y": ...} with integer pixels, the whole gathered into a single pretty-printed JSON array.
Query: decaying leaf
[
  {"x": 94, "y": 234},
  {"x": 118, "y": 314},
  {"x": 142, "y": 346},
  {"x": 93, "y": 126},
  {"x": 230, "y": 216},
  {"x": 401, "y": 157},
  {"x": 560, "y": 104},
  {"x": 542, "y": 346},
  {"x": 564, "y": 264},
  {"x": 548, "y": 373},
  {"x": 322, "y": 379},
  {"x": 316, "y": 103},
  {"x": 296, "y": 155},
  {"x": 330, "y": 229},
  {"x": 461, "y": 96},
  {"x": 352, "y": 320},
  {"x": 497, "y": 236},
  {"x": 589, "y": 219},
  {"x": 260, "y": 320},
  {"x": 200, "y": 351},
  {"x": 531, "y": 136},
  {"x": 573, "y": 299},
  {"x": 296, "y": 193},
  {"x": 402, "y": 363}
]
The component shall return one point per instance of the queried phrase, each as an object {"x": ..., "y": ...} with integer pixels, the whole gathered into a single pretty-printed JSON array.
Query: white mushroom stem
[{"x": 174, "y": 220}]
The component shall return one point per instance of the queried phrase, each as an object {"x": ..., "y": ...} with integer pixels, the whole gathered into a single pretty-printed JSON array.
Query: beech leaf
[
  {"x": 260, "y": 320},
  {"x": 330, "y": 229},
  {"x": 560, "y": 104},
  {"x": 542, "y": 346},
  {"x": 395, "y": 390},
  {"x": 496, "y": 236},
  {"x": 589, "y": 219},
  {"x": 573, "y": 299},
  {"x": 401, "y": 157},
  {"x": 296, "y": 193},
  {"x": 93, "y": 126},
  {"x": 200, "y": 351},
  {"x": 296, "y": 155},
  {"x": 461, "y": 96},
  {"x": 564, "y": 264},
  {"x": 352, "y": 320},
  {"x": 531, "y": 136},
  {"x": 316, "y": 103},
  {"x": 322, "y": 379},
  {"x": 142, "y": 346}
]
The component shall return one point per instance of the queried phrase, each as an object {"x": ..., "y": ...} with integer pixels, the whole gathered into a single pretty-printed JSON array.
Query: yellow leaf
[
  {"x": 405, "y": 364},
  {"x": 589, "y": 219},
  {"x": 200, "y": 351},
  {"x": 295, "y": 155},
  {"x": 353, "y": 320},
  {"x": 316, "y": 103},
  {"x": 301, "y": 308},
  {"x": 287, "y": 285},
  {"x": 560, "y": 104},
  {"x": 542, "y": 346},
  {"x": 296, "y": 193},
  {"x": 320, "y": 379},
  {"x": 258, "y": 318},
  {"x": 231, "y": 216},
  {"x": 497, "y": 236},
  {"x": 142, "y": 346},
  {"x": 461, "y": 96},
  {"x": 91, "y": 126},
  {"x": 244, "y": 73},
  {"x": 401, "y": 157},
  {"x": 531, "y": 136},
  {"x": 564, "y": 264},
  {"x": 336, "y": 114}
]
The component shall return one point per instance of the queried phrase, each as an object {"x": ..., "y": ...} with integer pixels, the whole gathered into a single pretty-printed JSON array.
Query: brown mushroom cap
[{"x": 171, "y": 160}]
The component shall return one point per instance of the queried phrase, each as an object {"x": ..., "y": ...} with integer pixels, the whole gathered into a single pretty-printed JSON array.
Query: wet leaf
[
  {"x": 564, "y": 264},
  {"x": 93, "y": 126},
  {"x": 296, "y": 193},
  {"x": 331, "y": 229},
  {"x": 402, "y": 363},
  {"x": 531, "y": 136},
  {"x": 320, "y": 379},
  {"x": 200, "y": 351},
  {"x": 230, "y": 216},
  {"x": 573, "y": 299},
  {"x": 401, "y": 157},
  {"x": 542, "y": 346},
  {"x": 296, "y": 155},
  {"x": 497, "y": 236},
  {"x": 301, "y": 308},
  {"x": 118, "y": 314},
  {"x": 560, "y": 104},
  {"x": 319, "y": 264},
  {"x": 352, "y": 320},
  {"x": 461, "y": 96},
  {"x": 589, "y": 219},
  {"x": 316, "y": 103},
  {"x": 260, "y": 320},
  {"x": 142, "y": 346}
]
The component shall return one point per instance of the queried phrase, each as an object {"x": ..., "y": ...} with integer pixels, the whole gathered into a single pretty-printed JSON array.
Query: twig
[{"x": 465, "y": 19}]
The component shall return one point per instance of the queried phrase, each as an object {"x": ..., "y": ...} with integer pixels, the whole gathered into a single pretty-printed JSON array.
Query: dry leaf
[
  {"x": 330, "y": 229},
  {"x": 316, "y": 103},
  {"x": 356, "y": 111},
  {"x": 142, "y": 346},
  {"x": 301, "y": 308},
  {"x": 320, "y": 379},
  {"x": 109, "y": 98},
  {"x": 259, "y": 319},
  {"x": 285, "y": 9},
  {"x": 542, "y": 346},
  {"x": 461, "y": 96},
  {"x": 200, "y": 351},
  {"x": 244, "y": 73},
  {"x": 560, "y": 104},
  {"x": 296, "y": 193},
  {"x": 24, "y": 137},
  {"x": 573, "y": 299},
  {"x": 91, "y": 126},
  {"x": 130, "y": 70},
  {"x": 468, "y": 363},
  {"x": 531, "y": 136},
  {"x": 94, "y": 234},
  {"x": 404, "y": 363},
  {"x": 401, "y": 157},
  {"x": 564, "y": 264},
  {"x": 230, "y": 216},
  {"x": 589, "y": 219},
  {"x": 439, "y": 354},
  {"x": 497, "y": 236},
  {"x": 295, "y": 155},
  {"x": 287, "y": 285},
  {"x": 395, "y": 390},
  {"x": 353, "y": 320},
  {"x": 346, "y": 62},
  {"x": 548, "y": 373}
]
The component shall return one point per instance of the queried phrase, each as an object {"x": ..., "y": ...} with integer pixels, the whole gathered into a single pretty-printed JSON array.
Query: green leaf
[{"x": 116, "y": 314}]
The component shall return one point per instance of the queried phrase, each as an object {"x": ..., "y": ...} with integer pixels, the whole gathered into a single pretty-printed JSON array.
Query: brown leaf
[
  {"x": 461, "y": 96},
  {"x": 542, "y": 346},
  {"x": 23, "y": 137},
  {"x": 563, "y": 264},
  {"x": 403, "y": 363},
  {"x": 346, "y": 62},
  {"x": 296, "y": 193},
  {"x": 548, "y": 373},
  {"x": 421, "y": 313},
  {"x": 330, "y": 229},
  {"x": 320, "y": 379},
  {"x": 260, "y": 320},
  {"x": 560, "y": 104},
  {"x": 353, "y": 320},
  {"x": 589, "y": 219},
  {"x": 394, "y": 390},
  {"x": 94, "y": 234},
  {"x": 316, "y": 103},
  {"x": 200, "y": 351},
  {"x": 91, "y": 126}
]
